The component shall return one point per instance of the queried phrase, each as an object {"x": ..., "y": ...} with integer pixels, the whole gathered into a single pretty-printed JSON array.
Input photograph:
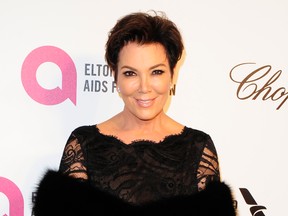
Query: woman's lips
[{"x": 145, "y": 103}]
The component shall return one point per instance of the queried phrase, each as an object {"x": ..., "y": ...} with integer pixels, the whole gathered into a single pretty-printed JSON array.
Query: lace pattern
[{"x": 143, "y": 171}]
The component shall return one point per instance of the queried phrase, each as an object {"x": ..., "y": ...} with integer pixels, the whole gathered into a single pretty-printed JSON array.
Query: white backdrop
[{"x": 238, "y": 109}]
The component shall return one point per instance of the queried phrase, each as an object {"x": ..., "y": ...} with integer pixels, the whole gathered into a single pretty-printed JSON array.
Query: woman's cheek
[
  {"x": 129, "y": 88},
  {"x": 162, "y": 88}
]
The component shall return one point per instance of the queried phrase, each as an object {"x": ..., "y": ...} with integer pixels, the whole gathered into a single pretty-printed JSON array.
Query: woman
[{"x": 141, "y": 156}]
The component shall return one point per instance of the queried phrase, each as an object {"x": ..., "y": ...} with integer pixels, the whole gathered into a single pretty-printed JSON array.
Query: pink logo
[
  {"x": 16, "y": 205},
  {"x": 57, "y": 95}
]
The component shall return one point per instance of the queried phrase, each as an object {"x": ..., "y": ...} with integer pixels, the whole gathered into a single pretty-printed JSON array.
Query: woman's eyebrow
[{"x": 134, "y": 69}]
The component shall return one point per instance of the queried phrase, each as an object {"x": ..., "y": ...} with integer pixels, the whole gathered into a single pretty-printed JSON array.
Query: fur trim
[{"x": 57, "y": 194}]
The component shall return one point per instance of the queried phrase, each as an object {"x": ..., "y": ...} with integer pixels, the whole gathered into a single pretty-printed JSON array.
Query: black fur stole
[{"x": 60, "y": 195}]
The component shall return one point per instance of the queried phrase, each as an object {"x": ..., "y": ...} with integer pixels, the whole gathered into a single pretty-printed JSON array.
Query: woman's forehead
[{"x": 150, "y": 54}]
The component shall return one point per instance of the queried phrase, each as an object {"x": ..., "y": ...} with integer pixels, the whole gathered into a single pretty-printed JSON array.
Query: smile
[{"x": 145, "y": 103}]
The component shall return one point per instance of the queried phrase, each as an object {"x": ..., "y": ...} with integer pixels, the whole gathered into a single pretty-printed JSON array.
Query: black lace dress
[{"x": 142, "y": 171}]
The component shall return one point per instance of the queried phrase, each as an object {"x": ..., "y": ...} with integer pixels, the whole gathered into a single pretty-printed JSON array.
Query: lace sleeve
[
  {"x": 208, "y": 169},
  {"x": 72, "y": 161}
]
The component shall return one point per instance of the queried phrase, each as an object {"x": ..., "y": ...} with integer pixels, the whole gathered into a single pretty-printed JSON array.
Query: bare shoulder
[
  {"x": 173, "y": 126},
  {"x": 109, "y": 126}
]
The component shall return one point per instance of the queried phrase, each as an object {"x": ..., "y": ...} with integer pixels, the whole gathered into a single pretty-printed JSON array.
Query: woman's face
[{"x": 144, "y": 79}]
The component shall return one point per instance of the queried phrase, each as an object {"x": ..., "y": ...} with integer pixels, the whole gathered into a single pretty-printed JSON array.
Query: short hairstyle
[{"x": 144, "y": 28}]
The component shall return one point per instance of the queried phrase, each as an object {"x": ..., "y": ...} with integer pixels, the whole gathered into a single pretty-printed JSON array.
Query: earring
[{"x": 118, "y": 89}]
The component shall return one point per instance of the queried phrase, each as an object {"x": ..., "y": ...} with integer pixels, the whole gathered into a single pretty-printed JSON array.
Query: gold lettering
[{"x": 251, "y": 85}]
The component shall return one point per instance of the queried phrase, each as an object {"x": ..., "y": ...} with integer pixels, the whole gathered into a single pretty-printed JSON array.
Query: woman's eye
[
  {"x": 129, "y": 73},
  {"x": 158, "y": 72}
]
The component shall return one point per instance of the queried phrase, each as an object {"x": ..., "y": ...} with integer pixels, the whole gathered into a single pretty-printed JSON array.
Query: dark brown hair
[{"x": 144, "y": 28}]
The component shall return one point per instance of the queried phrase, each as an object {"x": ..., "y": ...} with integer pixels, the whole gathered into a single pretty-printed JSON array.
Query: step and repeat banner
[{"x": 232, "y": 84}]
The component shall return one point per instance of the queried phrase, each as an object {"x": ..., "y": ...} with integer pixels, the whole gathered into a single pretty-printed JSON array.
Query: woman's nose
[{"x": 144, "y": 85}]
